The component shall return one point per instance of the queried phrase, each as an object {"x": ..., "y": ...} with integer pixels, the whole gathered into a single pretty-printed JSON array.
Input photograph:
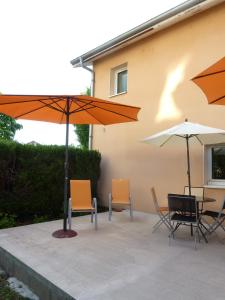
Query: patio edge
[{"x": 41, "y": 286}]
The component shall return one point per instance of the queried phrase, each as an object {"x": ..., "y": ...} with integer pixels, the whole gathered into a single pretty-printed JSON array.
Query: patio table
[{"x": 204, "y": 199}]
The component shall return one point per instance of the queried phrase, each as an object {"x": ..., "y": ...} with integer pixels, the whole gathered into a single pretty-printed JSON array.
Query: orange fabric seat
[
  {"x": 162, "y": 211},
  {"x": 120, "y": 201},
  {"x": 120, "y": 195},
  {"x": 83, "y": 207},
  {"x": 163, "y": 208},
  {"x": 81, "y": 200}
]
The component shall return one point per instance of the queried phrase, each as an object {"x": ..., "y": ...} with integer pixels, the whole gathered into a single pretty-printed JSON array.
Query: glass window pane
[
  {"x": 122, "y": 81},
  {"x": 218, "y": 163}
]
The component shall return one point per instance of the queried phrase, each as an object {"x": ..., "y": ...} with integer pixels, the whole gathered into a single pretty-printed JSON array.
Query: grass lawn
[{"x": 6, "y": 293}]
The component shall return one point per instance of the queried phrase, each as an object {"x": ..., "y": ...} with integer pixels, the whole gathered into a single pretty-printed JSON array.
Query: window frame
[
  {"x": 114, "y": 74},
  {"x": 116, "y": 78},
  {"x": 208, "y": 180}
]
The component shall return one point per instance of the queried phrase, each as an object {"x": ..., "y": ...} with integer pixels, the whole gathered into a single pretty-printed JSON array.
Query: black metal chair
[
  {"x": 197, "y": 191},
  {"x": 217, "y": 216},
  {"x": 183, "y": 210}
]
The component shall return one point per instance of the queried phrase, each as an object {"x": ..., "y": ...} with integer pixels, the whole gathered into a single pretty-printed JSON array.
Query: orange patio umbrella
[
  {"x": 67, "y": 109},
  {"x": 212, "y": 82}
]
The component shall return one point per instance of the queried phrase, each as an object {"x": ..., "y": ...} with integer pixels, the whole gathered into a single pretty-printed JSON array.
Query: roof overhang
[{"x": 162, "y": 21}]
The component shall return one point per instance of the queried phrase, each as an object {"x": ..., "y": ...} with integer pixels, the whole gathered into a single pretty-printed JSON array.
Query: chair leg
[
  {"x": 154, "y": 229},
  {"x": 92, "y": 216},
  {"x": 131, "y": 210},
  {"x": 156, "y": 224},
  {"x": 96, "y": 213},
  {"x": 166, "y": 221},
  {"x": 96, "y": 218},
  {"x": 199, "y": 237},
  {"x": 222, "y": 226},
  {"x": 196, "y": 233},
  {"x": 110, "y": 206},
  {"x": 69, "y": 215},
  {"x": 171, "y": 234},
  {"x": 163, "y": 220}
]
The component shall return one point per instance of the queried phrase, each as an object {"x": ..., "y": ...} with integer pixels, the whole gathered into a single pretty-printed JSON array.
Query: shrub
[
  {"x": 32, "y": 177},
  {"x": 40, "y": 219},
  {"x": 7, "y": 220}
]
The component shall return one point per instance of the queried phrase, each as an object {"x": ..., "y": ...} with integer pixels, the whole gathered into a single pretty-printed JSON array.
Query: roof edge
[{"x": 164, "y": 20}]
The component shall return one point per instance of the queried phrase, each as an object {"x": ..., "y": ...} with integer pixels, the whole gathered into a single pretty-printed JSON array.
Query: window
[
  {"x": 215, "y": 165},
  {"x": 118, "y": 80}
]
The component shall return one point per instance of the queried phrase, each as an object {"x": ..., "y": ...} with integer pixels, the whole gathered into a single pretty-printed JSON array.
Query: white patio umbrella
[{"x": 187, "y": 130}]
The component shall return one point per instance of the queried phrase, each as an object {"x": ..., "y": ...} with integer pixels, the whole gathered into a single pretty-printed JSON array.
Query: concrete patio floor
[{"x": 122, "y": 260}]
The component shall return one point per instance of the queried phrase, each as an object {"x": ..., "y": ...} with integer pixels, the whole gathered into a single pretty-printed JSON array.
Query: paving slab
[{"x": 121, "y": 260}]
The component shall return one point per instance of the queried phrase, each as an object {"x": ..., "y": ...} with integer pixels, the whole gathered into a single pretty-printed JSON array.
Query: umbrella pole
[
  {"x": 65, "y": 233},
  {"x": 66, "y": 166},
  {"x": 188, "y": 164}
]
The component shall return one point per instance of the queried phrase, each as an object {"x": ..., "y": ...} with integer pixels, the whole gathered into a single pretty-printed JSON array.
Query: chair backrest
[
  {"x": 182, "y": 204},
  {"x": 222, "y": 207},
  {"x": 155, "y": 201},
  {"x": 120, "y": 190},
  {"x": 80, "y": 193},
  {"x": 197, "y": 191}
]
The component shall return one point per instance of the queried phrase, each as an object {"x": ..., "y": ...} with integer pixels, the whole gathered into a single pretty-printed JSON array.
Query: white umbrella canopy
[
  {"x": 187, "y": 130},
  {"x": 203, "y": 134}
]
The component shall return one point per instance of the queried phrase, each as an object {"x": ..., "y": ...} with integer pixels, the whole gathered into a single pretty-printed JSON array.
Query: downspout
[{"x": 90, "y": 138}]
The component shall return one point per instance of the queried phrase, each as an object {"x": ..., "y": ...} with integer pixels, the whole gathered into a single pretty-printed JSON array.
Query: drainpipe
[{"x": 90, "y": 138}]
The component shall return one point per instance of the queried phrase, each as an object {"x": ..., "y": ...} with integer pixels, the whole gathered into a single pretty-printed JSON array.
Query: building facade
[{"x": 153, "y": 70}]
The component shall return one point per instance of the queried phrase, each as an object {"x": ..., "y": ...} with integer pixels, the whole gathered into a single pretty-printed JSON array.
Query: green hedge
[{"x": 32, "y": 177}]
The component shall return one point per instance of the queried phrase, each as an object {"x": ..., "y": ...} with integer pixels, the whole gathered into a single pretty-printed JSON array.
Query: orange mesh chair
[
  {"x": 120, "y": 195},
  {"x": 162, "y": 211},
  {"x": 81, "y": 200}
]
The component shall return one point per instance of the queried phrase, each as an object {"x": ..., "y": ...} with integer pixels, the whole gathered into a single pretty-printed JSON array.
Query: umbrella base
[{"x": 60, "y": 234}]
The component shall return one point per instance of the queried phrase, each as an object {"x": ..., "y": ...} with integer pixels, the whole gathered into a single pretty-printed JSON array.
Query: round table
[{"x": 205, "y": 199}]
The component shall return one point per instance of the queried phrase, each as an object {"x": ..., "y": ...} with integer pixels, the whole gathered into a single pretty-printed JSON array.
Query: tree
[
  {"x": 8, "y": 127},
  {"x": 82, "y": 130}
]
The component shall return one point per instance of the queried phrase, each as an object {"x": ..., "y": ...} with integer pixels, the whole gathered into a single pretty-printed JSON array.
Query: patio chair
[
  {"x": 120, "y": 195},
  {"x": 81, "y": 200},
  {"x": 162, "y": 211},
  {"x": 183, "y": 210},
  {"x": 217, "y": 216},
  {"x": 197, "y": 191}
]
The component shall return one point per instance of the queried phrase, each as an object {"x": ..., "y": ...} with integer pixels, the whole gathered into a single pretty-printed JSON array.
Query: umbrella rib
[
  {"x": 191, "y": 136},
  {"x": 80, "y": 108},
  {"x": 56, "y": 102},
  {"x": 52, "y": 107},
  {"x": 217, "y": 99},
  {"x": 181, "y": 136},
  {"x": 90, "y": 114},
  {"x": 101, "y": 102},
  {"x": 209, "y": 74},
  {"x": 64, "y": 110},
  {"x": 35, "y": 100},
  {"x": 170, "y": 137},
  {"x": 199, "y": 139},
  {"x": 35, "y": 109},
  {"x": 116, "y": 113}
]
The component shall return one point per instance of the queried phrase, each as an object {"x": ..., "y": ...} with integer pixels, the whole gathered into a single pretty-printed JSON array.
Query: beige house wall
[{"x": 159, "y": 71}]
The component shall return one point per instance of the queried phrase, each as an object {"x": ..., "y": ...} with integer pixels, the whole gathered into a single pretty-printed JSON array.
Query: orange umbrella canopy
[
  {"x": 66, "y": 109},
  {"x": 82, "y": 109},
  {"x": 212, "y": 82}
]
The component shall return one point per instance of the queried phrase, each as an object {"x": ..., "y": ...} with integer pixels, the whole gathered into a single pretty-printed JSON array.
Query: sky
[{"x": 39, "y": 38}]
